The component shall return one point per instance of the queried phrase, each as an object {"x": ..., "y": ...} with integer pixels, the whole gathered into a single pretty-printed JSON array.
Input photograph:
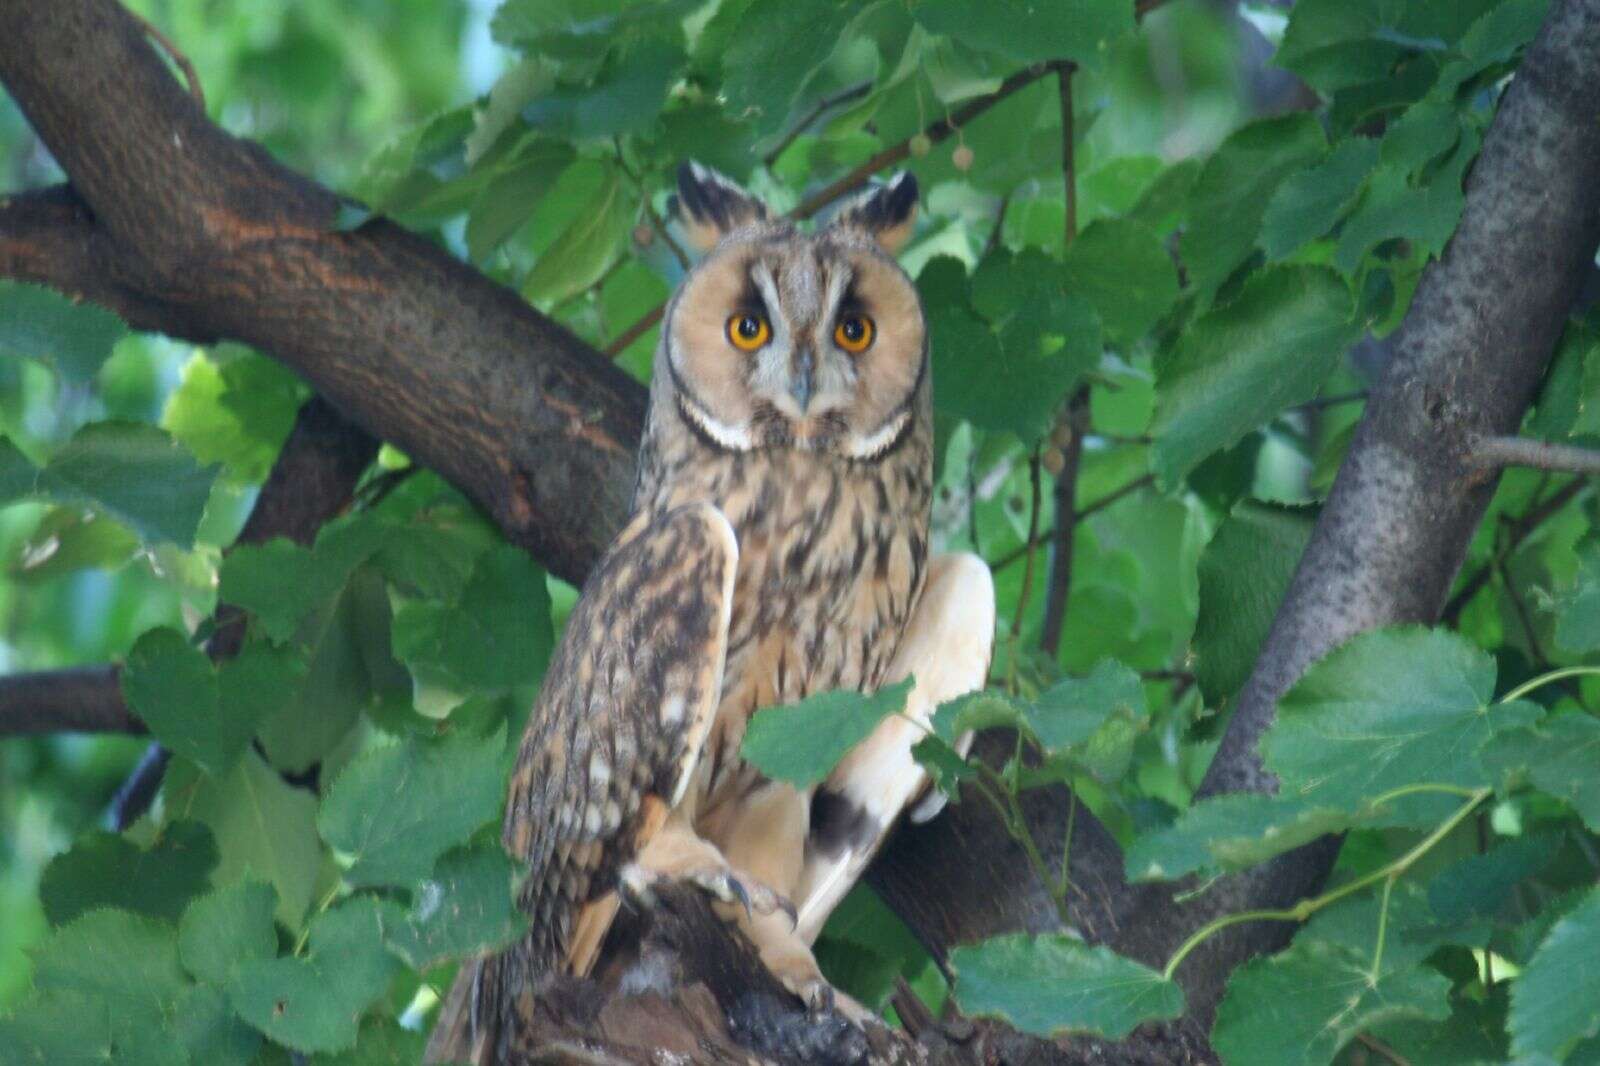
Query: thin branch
[
  {"x": 175, "y": 54},
  {"x": 1523, "y": 528},
  {"x": 1141, "y": 8},
  {"x": 81, "y": 699},
  {"x": 1495, "y": 452},
  {"x": 1336, "y": 400},
  {"x": 826, "y": 104},
  {"x": 1524, "y": 618},
  {"x": 1083, "y": 513},
  {"x": 1033, "y": 540},
  {"x": 1059, "y": 587},
  {"x": 635, "y": 331}
]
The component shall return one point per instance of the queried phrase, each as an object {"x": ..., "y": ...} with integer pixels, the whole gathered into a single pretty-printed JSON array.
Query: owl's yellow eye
[
  {"x": 747, "y": 331},
  {"x": 854, "y": 333}
]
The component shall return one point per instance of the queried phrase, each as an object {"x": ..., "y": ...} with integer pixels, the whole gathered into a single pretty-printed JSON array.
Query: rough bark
[
  {"x": 196, "y": 233},
  {"x": 185, "y": 229}
]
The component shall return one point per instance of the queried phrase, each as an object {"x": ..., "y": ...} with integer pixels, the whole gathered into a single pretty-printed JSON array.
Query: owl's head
[{"x": 783, "y": 339}]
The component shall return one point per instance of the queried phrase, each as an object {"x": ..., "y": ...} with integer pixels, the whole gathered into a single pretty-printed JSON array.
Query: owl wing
[
  {"x": 609, "y": 750},
  {"x": 947, "y": 646}
]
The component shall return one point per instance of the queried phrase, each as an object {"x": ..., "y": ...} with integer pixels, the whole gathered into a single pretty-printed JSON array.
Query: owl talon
[{"x": 641, "y": 884}]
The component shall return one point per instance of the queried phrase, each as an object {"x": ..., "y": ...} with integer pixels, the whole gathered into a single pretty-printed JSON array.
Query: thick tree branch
[
  {"x": 1497, "y": 452},
  {"x": 80, "y": 699},
  {"x": 189, "y": 230}
]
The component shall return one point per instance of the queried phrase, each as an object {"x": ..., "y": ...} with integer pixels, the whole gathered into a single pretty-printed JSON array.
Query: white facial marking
[{"x": 870, "y": 447}]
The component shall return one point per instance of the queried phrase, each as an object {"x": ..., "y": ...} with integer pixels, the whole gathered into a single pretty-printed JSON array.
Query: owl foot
[{"x": 718, "y": 881}]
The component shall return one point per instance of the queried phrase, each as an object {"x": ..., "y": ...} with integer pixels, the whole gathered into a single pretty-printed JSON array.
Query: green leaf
[
  {"x": 264, "y": 827},
  {"x": 207, "y": 713},
  {"x": 1555, "y": 1002},
  {"x": 499, "y": 635},
  {"x": 585, "y": 248},
  {"x": 1309, "y": 203},
  {"x": 1578, "y": 609},
  {"x": 1478, "y": 886},
  {"x": 1393, "y": 209},
  {"x": 74, "y": 1029},
  {"x": 70, "y": 539},
  {"x": 131, "y": 471},
  {"x": 282, "y": 583},
  {"x": 1070, "y": 711},
  {"x": 1242, "y": 363},
  {"x": 106, "y": 870},
  {"x": 1562, "y": 758},
  {"x": 466, "y": 906},
  {"x": 72, "y": 337},
  {"x": 803, "y": 742},
  {"x": 1016, "y": 387},
  {"x": 1389, "y": 708},
  {"x": 351, "y": 670},
  {"x": 1030, "y": 32},
  {"x": 128, "y": 964},
  {"x": 1229, "y": 833},
  {"x": 1412, "y": 930},
  {"x": 382, "y": 1042},
  {"x": 1571, "y": 388},
  {"x": 1122, "y": 268},
  {"x": 976, "y": 711},
  {"x": 575, "y": 28},
  {"x": 1243, "y": 574},
  {"x": 1231, "y": 195},
  {"x": 395, "y": 809},
  {"x": 315, "y": 1003},
  {"x": 237, "y": 414},
  {"x": 210, "y": 1031},
  {"x": 1299, "y": 1007},
  {"x": 777, "y": 46},
  {"x": 508, "y": 201},
  {"x": 1054, "y": 983},
  {"x": 230, "y": 926},
  {"x": 1493, "y": 39},
  {"x": 625, "y": 97}
]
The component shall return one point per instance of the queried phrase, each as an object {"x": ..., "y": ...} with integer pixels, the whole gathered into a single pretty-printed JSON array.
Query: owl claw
[{"x": 719, "y": 882}]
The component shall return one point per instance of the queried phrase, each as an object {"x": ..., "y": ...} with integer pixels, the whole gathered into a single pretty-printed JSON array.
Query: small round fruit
[
  {"x": 1053, "y": 461},
  {"x": 921, "y": 145},
  {"x": 961, "y": 158}
]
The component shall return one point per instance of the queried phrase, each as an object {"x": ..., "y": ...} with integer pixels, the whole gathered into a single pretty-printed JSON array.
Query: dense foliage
[{"x": 1175, "y": 321}]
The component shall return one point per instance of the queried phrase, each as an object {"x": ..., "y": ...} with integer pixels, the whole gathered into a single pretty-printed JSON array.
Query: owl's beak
[{"x": 803, "y": 383}]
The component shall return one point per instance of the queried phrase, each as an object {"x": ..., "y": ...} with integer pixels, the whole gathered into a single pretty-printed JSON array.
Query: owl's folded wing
[
  {"x": 946, "y": 647},
  {"x": 609, "y": 749}
]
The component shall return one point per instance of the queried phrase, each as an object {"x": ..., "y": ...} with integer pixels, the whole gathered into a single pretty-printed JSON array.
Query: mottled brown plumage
[{"x": 779, "y": 548}]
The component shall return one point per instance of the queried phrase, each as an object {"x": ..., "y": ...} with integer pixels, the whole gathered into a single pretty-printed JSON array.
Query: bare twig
[
  {"x": 175, "y": 54},
  {"x": 1521, "y": 530},
  {"x": 1496, "y": 452},
  {"x": 1336, "y": 400},
  {"x": 826, "y": 104},
  {"x": 1378, "y": 1047},
  {"x": 1059, "y": 588},
  {"x": 1083, "y": 513},
  {"x": 1033, "y": 541}
]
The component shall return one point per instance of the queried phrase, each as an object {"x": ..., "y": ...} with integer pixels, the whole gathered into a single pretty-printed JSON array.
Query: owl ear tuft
[
  {"x": 887, "y": 211},
  {"x": 709, "y": 206}
]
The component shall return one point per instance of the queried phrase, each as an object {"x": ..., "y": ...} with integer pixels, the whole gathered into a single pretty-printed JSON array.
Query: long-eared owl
[{"x": 779, "y": 547}]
